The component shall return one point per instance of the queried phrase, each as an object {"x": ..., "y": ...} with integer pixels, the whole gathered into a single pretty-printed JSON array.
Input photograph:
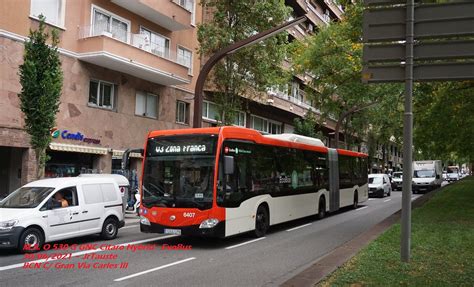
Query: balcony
[
  {"x": 131, "y": 54},
  {"x": 173, "y": 15},
  {"x": 335, "y": 7}
]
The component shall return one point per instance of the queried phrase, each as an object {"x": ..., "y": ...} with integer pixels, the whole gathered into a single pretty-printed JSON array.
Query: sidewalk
[{"x": 380, "y": 259}]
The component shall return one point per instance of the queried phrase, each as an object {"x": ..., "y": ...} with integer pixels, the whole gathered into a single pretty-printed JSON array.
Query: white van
[
  {"x": 60, "y": 208},
  {"x": 427, "y": 175},
  {"x": 379, "y": 185},
  {"x": 122, "y": 181}
]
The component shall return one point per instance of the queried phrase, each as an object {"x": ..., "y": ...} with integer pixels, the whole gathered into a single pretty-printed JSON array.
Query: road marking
[
  {"x": 244, "y": 243},
  {"x": 371, "y": 198},
  {"x": 19, "y": 265},
  {"x": 154, "y": 269},
  {"x": 130, "y": 226},
  {"x": 298, "y": 227},
  {"x": 360, "y": 208},
  {"x": 387, "y": 200}
]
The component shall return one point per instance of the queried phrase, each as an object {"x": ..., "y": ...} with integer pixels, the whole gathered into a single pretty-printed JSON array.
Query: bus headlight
[
  {"x": 144, "y": 220},
  {"x": 209, "y": 223}
]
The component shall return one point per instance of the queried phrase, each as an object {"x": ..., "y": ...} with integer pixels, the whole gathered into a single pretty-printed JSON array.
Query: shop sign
[{"x": 67, "y": 135}]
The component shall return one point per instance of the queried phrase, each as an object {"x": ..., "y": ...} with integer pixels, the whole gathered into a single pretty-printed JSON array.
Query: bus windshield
[{"x": 179, "y": 171}]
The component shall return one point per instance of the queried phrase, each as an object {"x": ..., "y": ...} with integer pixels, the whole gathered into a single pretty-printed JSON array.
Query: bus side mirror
[{"x": 228, "y": 164}]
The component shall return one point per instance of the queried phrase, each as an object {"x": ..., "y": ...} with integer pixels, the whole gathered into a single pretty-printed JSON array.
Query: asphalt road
[{"x": 239, "y": 261}]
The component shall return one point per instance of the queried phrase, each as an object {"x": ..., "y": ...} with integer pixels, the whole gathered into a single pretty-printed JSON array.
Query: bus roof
[{"x": 291, "y": 141}]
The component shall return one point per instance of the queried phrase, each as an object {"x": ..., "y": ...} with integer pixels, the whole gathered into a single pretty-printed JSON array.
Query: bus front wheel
[{"x": 262, "y": 221}]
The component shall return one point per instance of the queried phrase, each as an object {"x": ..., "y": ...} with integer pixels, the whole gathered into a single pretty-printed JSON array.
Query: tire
[
  {"x": 321, "y": 208},
  {"x": 262, "y": 221},
  {"x": 389, "y": 192},
  {"x": 109, "y": 229},
  {"x": 355, "y": 205},
  {"x": 382, "y": 194},
  {"x": 32, "y": 236}
]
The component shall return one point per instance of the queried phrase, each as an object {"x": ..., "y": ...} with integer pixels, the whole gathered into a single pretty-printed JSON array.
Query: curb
[{"x": 337, "y": 257}]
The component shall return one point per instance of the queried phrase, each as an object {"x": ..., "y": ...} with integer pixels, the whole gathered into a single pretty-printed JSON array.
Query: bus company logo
[
  {"x": 172, "y": 218},
  {"x": 55, "y": 132}
]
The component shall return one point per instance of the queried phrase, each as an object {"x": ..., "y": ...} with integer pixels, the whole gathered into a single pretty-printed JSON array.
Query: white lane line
[
  {"x": 387, "y": 200},
  {"x": 19, "y": 265},
  {"x": 298, "y": 227},
  {"x": 130, "y": 226},
  {"x": 360, "y": 208},
  {"x": 244, "y": 243},
  {"x": 371, "y": 198},
  {"x": 154, "y": 269}
]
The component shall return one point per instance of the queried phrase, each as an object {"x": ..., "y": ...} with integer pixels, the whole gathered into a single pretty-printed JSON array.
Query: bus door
[{"x": 333, "y": 180}]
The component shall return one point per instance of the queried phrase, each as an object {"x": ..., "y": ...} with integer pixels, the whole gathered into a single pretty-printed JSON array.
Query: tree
[
  {"x": 444, "y": 125},
  {"x": 249, "y": 71},
  {"x": 334, "y": 57},
  {"x": 41, "y": 79},
  {"x": 307, "y": 126}
]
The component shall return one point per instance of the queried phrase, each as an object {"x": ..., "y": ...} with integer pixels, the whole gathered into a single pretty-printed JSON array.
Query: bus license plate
[{"x": 173, "y": 231}]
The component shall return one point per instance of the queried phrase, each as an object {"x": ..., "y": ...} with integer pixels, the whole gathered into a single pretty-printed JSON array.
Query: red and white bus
[{"x": 228, "y": 180}]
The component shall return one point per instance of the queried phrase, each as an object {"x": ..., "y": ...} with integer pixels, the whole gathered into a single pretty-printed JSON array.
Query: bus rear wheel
[
  {"x": 322, "y": 208},
  {"x": 356, "y": 201},
  {"x": 262, "y": 221}
]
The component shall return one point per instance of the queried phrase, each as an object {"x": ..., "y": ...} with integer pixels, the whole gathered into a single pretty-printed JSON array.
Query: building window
[
  {"x": 104, "y": 22},
  {"x": 239, "y": 119},
  {"x": 259, "y": 124},
  {"x": 185, "y": 58},
  {"x": 101, "y": 94},
  {"x": 155, "y": 43},
  {"x": 209, "y": 111},
  {"x": 182, "y": 112},
  {"x": 265, "y": 125},
  {"x": 146, "y": 105},
  {"x": 52, "y": 10},
  {"x": 274, "y": 128}
]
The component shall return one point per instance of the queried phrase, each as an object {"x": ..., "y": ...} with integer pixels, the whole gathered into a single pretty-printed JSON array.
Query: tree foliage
[
  {"x": 444, "y": 122},
  {"x": 334, "y": 57},
  {"x": 251, "y": 70},
  {"x": 307, "y": 126},
  {"x": 41, "y": 79}
]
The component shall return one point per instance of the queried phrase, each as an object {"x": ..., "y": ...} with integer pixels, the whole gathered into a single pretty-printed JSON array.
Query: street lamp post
[{"x": 198, "y": 92}]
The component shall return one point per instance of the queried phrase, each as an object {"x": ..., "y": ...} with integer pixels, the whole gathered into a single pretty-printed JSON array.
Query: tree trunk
[{"x": 40, "y": 162}]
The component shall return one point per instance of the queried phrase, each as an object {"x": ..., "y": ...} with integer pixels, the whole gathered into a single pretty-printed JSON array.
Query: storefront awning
[
  {"x": 78, "y": 148},
  {"x": 119, "y": 153}
]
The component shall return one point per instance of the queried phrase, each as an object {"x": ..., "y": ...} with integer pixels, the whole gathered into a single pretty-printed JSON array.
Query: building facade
[{"x": 129, "y": 67}]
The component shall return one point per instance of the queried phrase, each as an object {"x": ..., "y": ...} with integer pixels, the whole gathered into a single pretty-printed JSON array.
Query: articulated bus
[{"x": 228, "y": 180}]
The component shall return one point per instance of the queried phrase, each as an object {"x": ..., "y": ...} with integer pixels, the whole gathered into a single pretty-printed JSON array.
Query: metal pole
[{"x": 407, "y": 135}]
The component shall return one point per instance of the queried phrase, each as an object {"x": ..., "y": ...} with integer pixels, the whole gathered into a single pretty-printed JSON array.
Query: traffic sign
[
  {"x": 453, "y": 49},
  {"x": 431, "y": 21},
  {"x": 425, "y": 72}
]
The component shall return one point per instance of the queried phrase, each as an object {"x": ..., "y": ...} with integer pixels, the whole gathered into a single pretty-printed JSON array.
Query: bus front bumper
[{"x": 193, "y": 230}]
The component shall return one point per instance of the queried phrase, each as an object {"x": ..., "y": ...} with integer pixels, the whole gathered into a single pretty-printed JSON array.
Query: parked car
[
  {"x": 397, "y": 180},
  {"x": 445, "y": 175},
  {"x": 60, "y": 208},
  {"x": 379, "y": 185},
  {"x": 453, "y": 173}
]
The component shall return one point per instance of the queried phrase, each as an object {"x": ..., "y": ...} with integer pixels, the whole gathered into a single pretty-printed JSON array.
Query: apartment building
[
  {"x": 276, "y": 111},
  {"x": 129, "y": 67}
]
